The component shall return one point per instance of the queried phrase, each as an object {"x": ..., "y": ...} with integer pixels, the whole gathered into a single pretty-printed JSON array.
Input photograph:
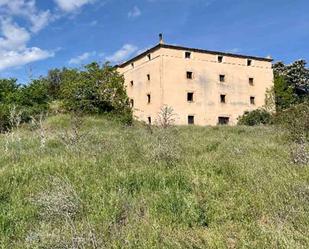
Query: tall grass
[{"x": 102, "y": 185}]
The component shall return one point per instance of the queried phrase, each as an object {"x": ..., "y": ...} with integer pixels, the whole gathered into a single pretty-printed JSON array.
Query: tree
[
  {"x": 95, "y": 89},
  {"x": 284, "y": 94},
  {"x": 291, "y": 83}
]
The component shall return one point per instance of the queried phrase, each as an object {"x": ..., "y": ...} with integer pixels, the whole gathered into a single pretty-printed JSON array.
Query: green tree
[
  {"x": 284, "y": 93},
  {"x": 95, "y": 89},
  {"x": 291, "y": 83},
  {"x": 34, "y": 98}
]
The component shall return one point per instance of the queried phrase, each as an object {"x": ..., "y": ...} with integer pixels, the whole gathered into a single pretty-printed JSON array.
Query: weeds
[
  {"x": 184, "y": 187},
  {"x": 166, "y": 117},
  {"x": 73, "y": 135},
  {"x": 60, "y": 200},
  {"x": 165, "y": 147}
]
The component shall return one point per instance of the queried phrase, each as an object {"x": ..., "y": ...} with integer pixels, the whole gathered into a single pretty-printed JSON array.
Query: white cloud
[
  {"x": 28, "y": 10},
  {"x": 122, "y": 54},
  {"x": 135, "y": 12},
  {"x": 18, "y": 58},
  {"x": 72, "y": 5},
  {"x": 13, "y": 36},
  {"x": 14, "y": 39},
  {"x": 81, "y": 58},
  {"x": 13, "y": 46}
]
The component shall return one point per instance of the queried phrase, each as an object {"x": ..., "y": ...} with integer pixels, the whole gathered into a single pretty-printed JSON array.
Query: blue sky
[{"x": 36, "y": 35}]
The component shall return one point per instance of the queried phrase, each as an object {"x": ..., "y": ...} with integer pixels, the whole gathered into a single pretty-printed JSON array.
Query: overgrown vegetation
[
  {"x": 73, "y": 176},
  {"x": 287, "y": 107},
  {"x": 291, "y": 88},
  {"x": 98, "y": 184},
  {"x": 256, "y": 117},
  {"x": 93, "y": 89}
]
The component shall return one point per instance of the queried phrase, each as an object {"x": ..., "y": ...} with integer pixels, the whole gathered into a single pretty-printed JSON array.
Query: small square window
[
  {"x": 249, "y": 62},
  {"x": 223, "y": 98},
  {"x": 189, "y": 75},
  {"x": 223, "y": 120},
  {"x": 222, "y": 78},
  {"x": 190, "y": 97},
  {"x": 190, "y": 120},
  {"x": 131, "y": 83},
  {"x": 132, "y": 103},
  {"x": 252, "y": 100},
  {"x": 188, "y": 55},
  {"x": 220, "y": 58},
  {"x": 149, "y": 120},
  {"x": 251, "y": 81},
  {"x": 148, "y": 76},
  {"x": 148, "y": 98},
  {"x": 149, "y": 57}
]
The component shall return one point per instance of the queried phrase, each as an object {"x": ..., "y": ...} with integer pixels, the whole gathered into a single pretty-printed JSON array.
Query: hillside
[{"x": 97, "y": 184}]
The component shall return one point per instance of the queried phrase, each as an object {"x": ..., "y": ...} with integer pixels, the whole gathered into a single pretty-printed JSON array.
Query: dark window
[
  {"x": 220, "y": 58},
  {"x": 148, "y": 98},
  {"x": 131, "y": 83},
  {"x": 149, "y": 56},
  {"x": 190, "y": 120},
  {"x": 222, "y": 78},
  {"x": 251, "y": 81},
  {"x": 223, "y": 120},
  {"x": 252, "y": 100},
  {"x": 188, "y": 55},
  {"x": 222, "y": 98},
  {"x": 249, "y": 62},
  {"x": 190, "y": 97},
  {"x": 132, "y": 102},
  {"x": 132, "y": 65},
  {"x": 149, "y": 120},
  {"x": 148, "y": 76},
  {"x": 189, "y": 75}
]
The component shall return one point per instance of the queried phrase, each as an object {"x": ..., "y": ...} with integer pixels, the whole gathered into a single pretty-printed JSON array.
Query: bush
[
  {"x": 295, "y": 121},
  {"x": 94, "y": 90},
  {"x": 256, "y": 117}
]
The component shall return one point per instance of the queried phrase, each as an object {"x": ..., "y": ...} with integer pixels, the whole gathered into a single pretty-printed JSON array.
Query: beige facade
[{"x": 203, "y": 87}]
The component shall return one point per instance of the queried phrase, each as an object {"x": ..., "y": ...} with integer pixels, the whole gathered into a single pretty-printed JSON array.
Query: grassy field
[{"x": 97, "y": 184}]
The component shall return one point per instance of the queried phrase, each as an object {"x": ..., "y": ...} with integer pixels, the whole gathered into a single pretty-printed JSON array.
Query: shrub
[
  {"x": 256, "y": 117},
  {"x": 166, "y": 117},
  {"x": 94, "y": 90},
  {"x": 295, "y": 121}
]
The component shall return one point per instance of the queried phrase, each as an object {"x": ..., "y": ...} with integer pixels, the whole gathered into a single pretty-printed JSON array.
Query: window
[
  {"x": 251, "y": 81},
  {"x": 223, "y": 98},
  {"x": 131, "y": 83},
  {"x": 223, "y": 120},
  {"x": 148, "y": 76},
  {"x": 249, "y": 62},
  {"x": 189, "y": 75},
  {"x": 148, "y": 98},
  {"x": 149, "y": 57},
  {"x": 190, "y": 97},
  {"x": 190, "y": 120},
  {"x": 132, "y": 65},
  {"x": 222, "y": 78},
  {"x": 149, "y": 120},
  {"x": 132, "y": 102},
  {"x": 252, "y": 100},
  {"x": 187, "y": 55},
  {"x": 220, "y": 58}
]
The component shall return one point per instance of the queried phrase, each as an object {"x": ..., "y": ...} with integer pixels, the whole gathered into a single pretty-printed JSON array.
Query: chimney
[{"x": 161, "y": 38}]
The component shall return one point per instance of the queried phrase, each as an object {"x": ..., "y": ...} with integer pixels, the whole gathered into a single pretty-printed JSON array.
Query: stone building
[{"x": 203, "y": 87}]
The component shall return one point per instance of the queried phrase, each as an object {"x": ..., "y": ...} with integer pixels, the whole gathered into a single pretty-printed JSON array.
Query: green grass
[{"x": 111, "y": 186}]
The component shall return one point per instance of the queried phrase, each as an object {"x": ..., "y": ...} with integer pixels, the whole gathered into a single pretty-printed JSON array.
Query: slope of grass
[{"x": 102, "y": 185}]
